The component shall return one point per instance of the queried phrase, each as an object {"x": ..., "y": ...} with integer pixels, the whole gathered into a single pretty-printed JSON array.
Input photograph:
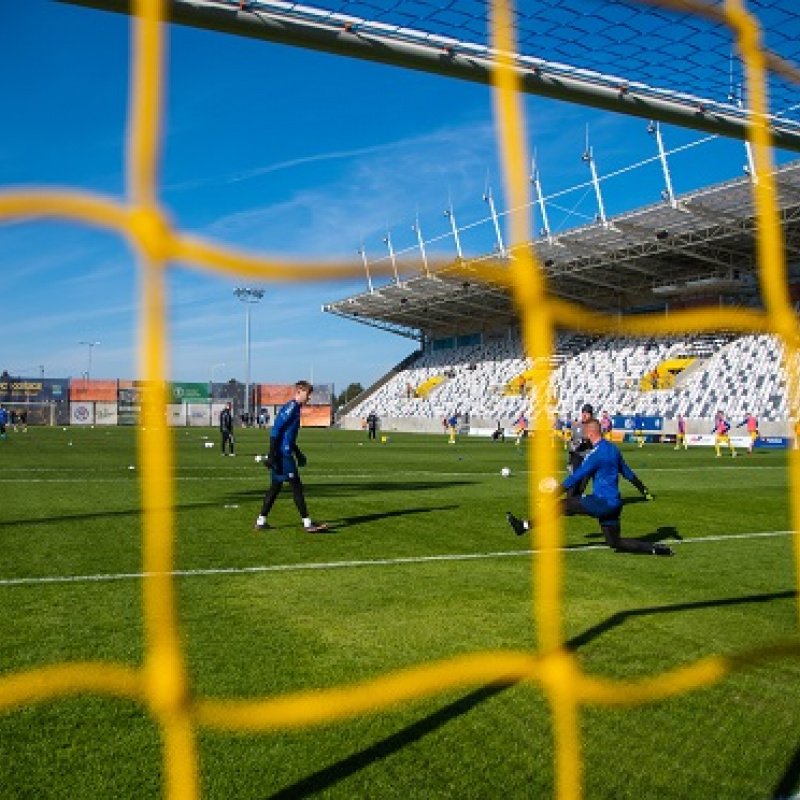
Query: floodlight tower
[
  {"x": 537, "y": 185},
  {"x": 91, "y": 346},
  {"x": 588, "y": 158},
  {"x": 654, "y": 129},
  {"x": 387, "y": 240},
  {"x": 415, "y": 227},
  {"x": 248, "y": 296},
  {"x": 487, "y": 198},
  {"x": 362, "y": 251},
  {"x": 448, "y": 212}
]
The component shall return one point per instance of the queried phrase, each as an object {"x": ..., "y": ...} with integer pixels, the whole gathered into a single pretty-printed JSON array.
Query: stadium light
[
  {"x": 248, "y": 296},
  {"x": 588, "y": 158},
  {"x": 363, "y": 253},
  {"x": 448, "y": 212},
  {"x": 415, "y": 227},
  {"x": 487, "y": 197},
  {"x": 91, "y": 346},
  {"x": 654, "y": 129},
  {"x": 537, "y": 185},
  {"x": 387, "y": 240}
]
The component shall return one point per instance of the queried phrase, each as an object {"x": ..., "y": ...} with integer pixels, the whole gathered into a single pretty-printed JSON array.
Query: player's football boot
[
  {"x": 517, "y": 524},
  {"x": 662, "y": 550}
]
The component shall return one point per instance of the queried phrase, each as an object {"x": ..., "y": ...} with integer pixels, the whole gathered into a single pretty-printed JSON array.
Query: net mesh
[
  {"x": 666, "y": 48},
  {"x": 162, "y": 684}
]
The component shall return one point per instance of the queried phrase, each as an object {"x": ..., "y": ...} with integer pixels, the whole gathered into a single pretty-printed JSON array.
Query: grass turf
[{"x": 271, "y": 612}]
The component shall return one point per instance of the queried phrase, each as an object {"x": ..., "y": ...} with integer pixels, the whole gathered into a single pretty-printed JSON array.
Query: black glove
[
  {"x": 648, "y": 495},
  {"x": 301, "y": 457},
  {"x": 273, "y": 457}
]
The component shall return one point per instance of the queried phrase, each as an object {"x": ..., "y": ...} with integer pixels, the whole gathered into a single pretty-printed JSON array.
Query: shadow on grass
[
  {"x": 658, "y": 535},
  {"x": 621, "y": 617},
  {"x": 355, "y": 489},
  {"x": 789, "y": 781},
  {"x": 326, "y": 778},
  {"x": 362, "y": 519}
]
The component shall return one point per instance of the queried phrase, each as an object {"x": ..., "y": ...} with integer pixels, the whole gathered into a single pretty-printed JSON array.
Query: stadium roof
[{"x": 701, "y": 247}]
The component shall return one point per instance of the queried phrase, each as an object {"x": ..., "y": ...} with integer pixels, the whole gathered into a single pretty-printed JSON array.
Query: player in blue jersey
[
  {"x": 284, "y": 458},
  {"x": 603, "y": 464}
]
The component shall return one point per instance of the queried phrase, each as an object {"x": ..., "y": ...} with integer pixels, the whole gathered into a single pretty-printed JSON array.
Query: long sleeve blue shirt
[
  {"x": 285, "y": 428},
  {"x": 603, "y": 464}
]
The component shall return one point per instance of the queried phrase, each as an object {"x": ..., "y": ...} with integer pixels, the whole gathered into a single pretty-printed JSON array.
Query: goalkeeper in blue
[
  {"x": 284, "y": 458},
  {"x": 603, "y": 464}
]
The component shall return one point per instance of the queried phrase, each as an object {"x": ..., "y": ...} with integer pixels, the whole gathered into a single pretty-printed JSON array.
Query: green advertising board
[{"x": 188, "y": 392}]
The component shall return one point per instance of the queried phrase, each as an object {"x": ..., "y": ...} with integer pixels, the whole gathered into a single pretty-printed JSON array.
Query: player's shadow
[
  {"x": 356, "y": 489},
  {"x": 621, "y": 617},
  {"x": 658, "y": 535},
  {"x": 363, "y": 519},
  {"x": 328, "y": 777}
]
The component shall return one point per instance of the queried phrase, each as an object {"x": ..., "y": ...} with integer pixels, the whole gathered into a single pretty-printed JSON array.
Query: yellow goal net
[{"x": 162, "y": 684}]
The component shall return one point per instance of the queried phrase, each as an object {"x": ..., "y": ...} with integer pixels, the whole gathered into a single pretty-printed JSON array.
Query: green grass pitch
[{"x": 419, "y": 565}]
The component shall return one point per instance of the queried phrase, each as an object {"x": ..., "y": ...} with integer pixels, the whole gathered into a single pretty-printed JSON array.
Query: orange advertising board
[
  {"x": 81, "y": 390},
  {"x": 271, "y": 394},
  {"x": 315, "y": 417}
]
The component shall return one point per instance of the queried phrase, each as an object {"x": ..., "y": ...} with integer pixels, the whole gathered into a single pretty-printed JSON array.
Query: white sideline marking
[
  {"x": 322, "y": 476},
  {"x": 190, "y": 573}
]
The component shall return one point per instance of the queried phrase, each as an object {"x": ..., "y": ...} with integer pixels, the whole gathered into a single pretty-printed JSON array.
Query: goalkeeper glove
[
  {"x": 271, "y": 459},
  {"x": 301, "y": 458}
]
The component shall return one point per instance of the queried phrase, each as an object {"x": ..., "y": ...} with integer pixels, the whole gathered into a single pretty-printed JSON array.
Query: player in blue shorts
[
  {"x": 603, "y": 464},
  {"x": 284, "y": 458}
]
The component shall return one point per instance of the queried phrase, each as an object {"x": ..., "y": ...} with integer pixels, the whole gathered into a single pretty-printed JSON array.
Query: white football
[
  {"x": 505, "y": 472},
  {"x": 258, "y": 459}
]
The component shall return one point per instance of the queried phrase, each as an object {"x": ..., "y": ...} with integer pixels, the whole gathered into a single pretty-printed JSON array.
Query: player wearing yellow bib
[
  {"x": 721, "y": 430},
  {"x": 680, "y": 436}
]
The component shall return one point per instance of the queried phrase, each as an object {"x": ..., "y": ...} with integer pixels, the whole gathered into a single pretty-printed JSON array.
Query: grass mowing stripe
[{"x": 371, "y": 562}]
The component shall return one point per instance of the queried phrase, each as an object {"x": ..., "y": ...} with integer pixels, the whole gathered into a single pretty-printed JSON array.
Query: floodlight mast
[
  {"x": 91, "y": 346},
  {"x": 487, "y": 196},
  {"x": 588, "y": 158},
  {"x": 387, "y": 240},
  {"x": 654, "y": 129},
  {"x": 362, "y": 251},
  {"x": 537, "y": 185},
  {"x": 448, "y": 212},
  {"x": 416, "y": 228},
  {"x": 248, "y": 296}
]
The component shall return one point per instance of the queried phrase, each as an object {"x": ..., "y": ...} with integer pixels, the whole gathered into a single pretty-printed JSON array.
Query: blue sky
[{"x": 276, "y": 150}]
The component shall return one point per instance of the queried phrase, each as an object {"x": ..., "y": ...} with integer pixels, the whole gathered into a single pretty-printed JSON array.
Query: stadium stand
[{"x": 736, "y": 374}]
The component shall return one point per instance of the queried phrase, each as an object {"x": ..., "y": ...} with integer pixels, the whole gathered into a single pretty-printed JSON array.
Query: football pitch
[{"x": 419, "y": 565}]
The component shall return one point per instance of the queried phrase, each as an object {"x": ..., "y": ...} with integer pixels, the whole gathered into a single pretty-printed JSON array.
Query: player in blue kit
[
  {"x": 603, "y": 464},
  {"x": 284, "y": 458}
]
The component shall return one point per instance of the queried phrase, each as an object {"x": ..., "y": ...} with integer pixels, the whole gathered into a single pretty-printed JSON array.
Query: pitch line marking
[{"x": 373, "y": 562}]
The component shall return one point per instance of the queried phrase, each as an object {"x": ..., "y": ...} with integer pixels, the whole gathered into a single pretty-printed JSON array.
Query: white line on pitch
[{"x": 361, "y": 563}]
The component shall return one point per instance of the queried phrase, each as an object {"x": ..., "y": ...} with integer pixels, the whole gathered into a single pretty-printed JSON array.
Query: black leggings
[
  {"x": 275, "y": 489},
  {"x": 610, "y": 528}
]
